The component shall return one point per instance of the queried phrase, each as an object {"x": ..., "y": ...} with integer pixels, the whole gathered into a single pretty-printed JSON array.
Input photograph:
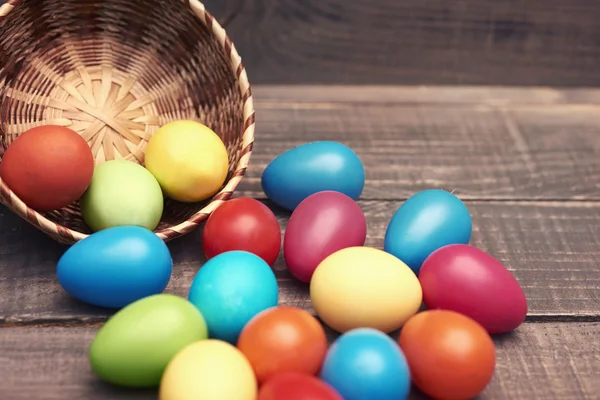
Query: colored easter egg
[
  {"x": 427, "y": 221},
  {"x": 242, "y": 224},
  {"x": 122, "y": 193},
  {"x": 364, "y": 287},
  {"x": 468, "y": 280},
  {"x": 115, "y": 267},
  {"x": 208, "y": 370},
  {"x": 188, "y": 159},
  {"x": 296, "y": 386},
  {"x": 366, "y": 364},
  {"x": 322, "y": 224},
  {"x": 48, "y": 167},
  {"x": 310, "y": 168},
  {"x": 450, "y": 356},
  {"x": 135, "y": 345},
  {"x": 230, "y": 289},
  {"x": 283, "y": 339}
]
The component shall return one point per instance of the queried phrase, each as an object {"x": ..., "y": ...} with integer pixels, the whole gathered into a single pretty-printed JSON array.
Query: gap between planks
[{"x": 96, "y": 322}]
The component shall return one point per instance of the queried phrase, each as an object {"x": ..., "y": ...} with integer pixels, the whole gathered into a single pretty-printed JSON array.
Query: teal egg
[
  {"x": 426, "y": 222},
  {"x": 135, "y": 345},
  {"x": 230, "y": 289},
  {"x": 310, "y": 168},
  {"x": 116, "y": 266},
  {"x": 122, "y": 193}
]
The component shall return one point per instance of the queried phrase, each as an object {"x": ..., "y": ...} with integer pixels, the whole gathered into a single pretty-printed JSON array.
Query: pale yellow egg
[
  {"x": 188, "y": 160},
  {"x": 364, "y": 287},
  {"x": 208, "y": 370}
]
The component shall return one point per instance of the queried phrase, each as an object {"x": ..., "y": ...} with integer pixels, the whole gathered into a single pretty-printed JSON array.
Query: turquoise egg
[
  {"x": 115, "y": 267},
  {"x": 427, "y": 221},
  {"x": 230, "y": 289},
  {"x": 310, "y": 168}
]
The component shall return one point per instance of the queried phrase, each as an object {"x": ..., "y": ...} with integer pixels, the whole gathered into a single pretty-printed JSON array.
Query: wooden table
[{"x": 526, "y": 161}]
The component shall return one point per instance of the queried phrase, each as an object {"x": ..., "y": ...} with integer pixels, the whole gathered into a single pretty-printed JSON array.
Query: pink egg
[
  {"x": 468, "y": 280},
  {"x": 322, "y": 224}
]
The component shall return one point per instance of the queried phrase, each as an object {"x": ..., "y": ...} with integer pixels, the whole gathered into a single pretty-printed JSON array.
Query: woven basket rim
[{"x": 67, "y": 235}]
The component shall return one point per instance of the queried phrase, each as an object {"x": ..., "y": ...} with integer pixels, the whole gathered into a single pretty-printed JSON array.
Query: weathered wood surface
[
  {"x": 511, "y": 42},
  {"x": 538, "y": 361},
  {"x": 524, "y": 160},
  {"x": 484, "y": 143},
  {"x": 552, "y": 248}
]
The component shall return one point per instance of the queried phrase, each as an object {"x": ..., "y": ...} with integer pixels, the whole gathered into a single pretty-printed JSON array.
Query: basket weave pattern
[{"x": 115, "y": 71}]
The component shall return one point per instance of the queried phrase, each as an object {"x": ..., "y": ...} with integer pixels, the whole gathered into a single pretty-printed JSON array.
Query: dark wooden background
[{"x": 492, "y": 42}]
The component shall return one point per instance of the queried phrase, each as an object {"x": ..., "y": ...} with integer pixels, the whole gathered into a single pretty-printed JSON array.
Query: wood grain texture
[
  {"x": 553, "y": 249},
  {"x": 531, "y": 96},
  {"x": 536, "y": 42},
  {"x": 537, "y": 362},
  {"x": 493, "y": 148}
]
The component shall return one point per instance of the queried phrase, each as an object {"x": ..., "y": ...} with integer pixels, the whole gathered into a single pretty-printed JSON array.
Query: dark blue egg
[
  {"x": 426, "y": 222},
  {"x": 115, "y": 267},
  {"x": 310, "y": 168},
  {"x": 366, "y": 364}
]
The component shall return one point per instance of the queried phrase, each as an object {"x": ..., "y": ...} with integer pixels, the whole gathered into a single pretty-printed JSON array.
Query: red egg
[
  {"x": 283, "y": 339},
  {"x": 48, "y": 167},
  {"x": 467, "y": 280},
  {"x": 322, "y": 224},
  {"x": 242, "y": 224},
  {"x": 294, "y": 386}
]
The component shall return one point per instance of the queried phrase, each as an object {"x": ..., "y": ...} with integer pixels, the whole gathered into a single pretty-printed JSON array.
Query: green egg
[
  {"x": 122, "y": 193},
  {"x": 135, "y": 345}
]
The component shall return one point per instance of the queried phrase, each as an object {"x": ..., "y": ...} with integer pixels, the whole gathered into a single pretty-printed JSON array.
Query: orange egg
[
  {"x": 48, "y": 167},
  {"x": 450, "y": 356},
  {"x": 283, "y": 339}
]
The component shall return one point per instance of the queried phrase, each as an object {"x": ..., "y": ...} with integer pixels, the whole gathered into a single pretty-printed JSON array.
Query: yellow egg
[
  {"x": 208, "y": 370},
  {"x": 188, "y": 160},
  {"x": 364, "y": 287}
]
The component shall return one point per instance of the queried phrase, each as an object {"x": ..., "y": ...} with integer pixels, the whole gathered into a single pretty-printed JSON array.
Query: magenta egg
[
  {"x": 321, "y": 224},
  {"x": 465, "y": 279}
]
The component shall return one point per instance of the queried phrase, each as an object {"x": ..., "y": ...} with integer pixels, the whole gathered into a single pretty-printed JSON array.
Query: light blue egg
[
  {"x": 366, "y": 364},
  {"x": 115, "y": 267},
  {"x": 310, "y": 168},
  {"x": 230, "y": 289},
  {"x": 427, "y": 221}
]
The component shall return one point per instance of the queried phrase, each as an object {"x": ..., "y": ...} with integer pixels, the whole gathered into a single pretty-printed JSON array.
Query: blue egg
[
  {"x": 427, "y": 221},
  {"x": 366, "y": 364},
  {"x": 115, "y": 267},
  {"x": 311, "y": 168},
  {"x": 230, "y": 289}
]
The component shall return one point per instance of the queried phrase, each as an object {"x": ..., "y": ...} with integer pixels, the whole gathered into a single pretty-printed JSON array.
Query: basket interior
[{"x": 115, "y": 71}]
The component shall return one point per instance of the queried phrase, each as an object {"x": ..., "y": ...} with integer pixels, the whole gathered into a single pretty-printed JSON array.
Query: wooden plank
[
  {"x": 478, "y": 150},
  {"x": 271, "y": 96},
  {"x": 552, "y": 248},
  {"x": 536, "y": 42},
  {"x": 538, "y": 361}
]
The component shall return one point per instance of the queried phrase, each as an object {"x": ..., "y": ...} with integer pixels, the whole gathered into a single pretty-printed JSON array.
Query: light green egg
[
  {"x": 135, "y": 345},
  {"x": 122, "y": 193}
]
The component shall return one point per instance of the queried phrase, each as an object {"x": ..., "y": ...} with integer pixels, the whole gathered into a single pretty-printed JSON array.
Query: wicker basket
[{"x": 115, "y": 71}]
